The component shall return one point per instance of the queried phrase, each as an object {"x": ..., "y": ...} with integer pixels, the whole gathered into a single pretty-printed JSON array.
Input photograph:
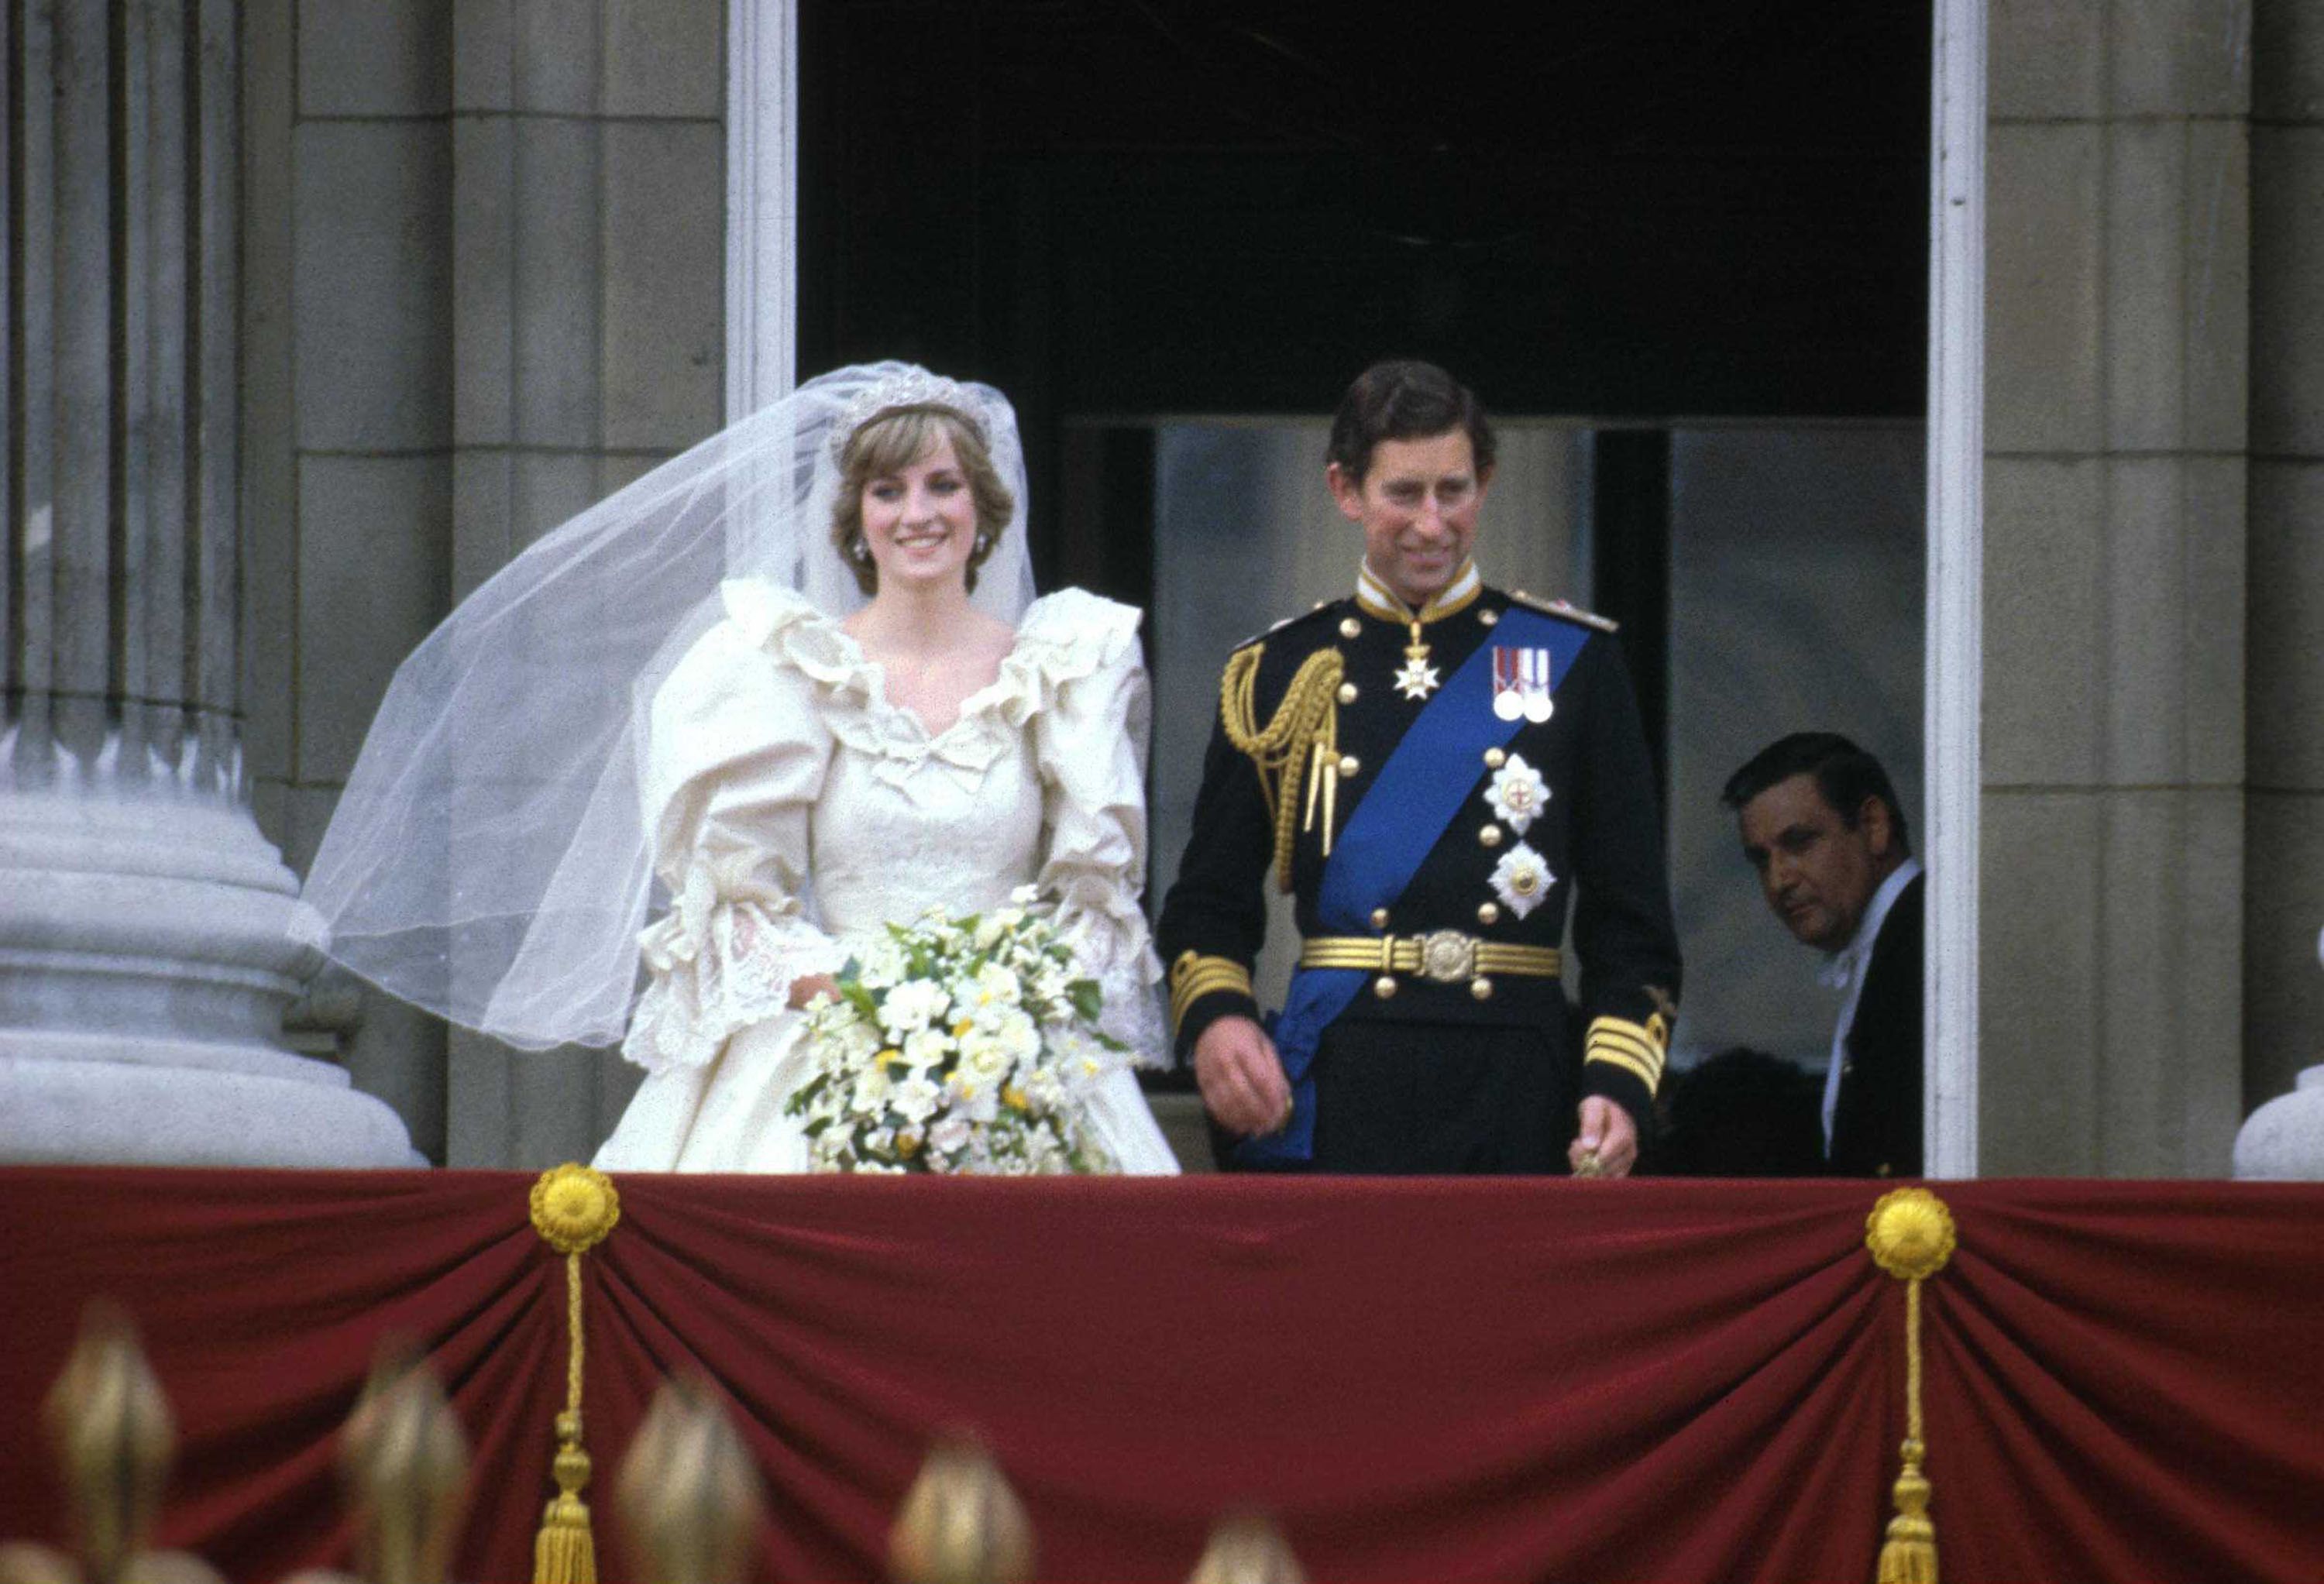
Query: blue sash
[{"x": 1412, "y": 802}]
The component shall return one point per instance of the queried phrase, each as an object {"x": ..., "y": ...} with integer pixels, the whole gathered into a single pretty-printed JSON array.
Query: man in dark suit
[
  {"x": 1821, "y": 824},
  {"x": 1434, "y": 769}
]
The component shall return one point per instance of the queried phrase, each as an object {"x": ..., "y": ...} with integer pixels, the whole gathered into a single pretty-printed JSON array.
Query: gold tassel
[
  {"x": 573, "y": 1209},
  {"x": 1305, "y": 722},
  {"x": 1909, "y": 1233}
]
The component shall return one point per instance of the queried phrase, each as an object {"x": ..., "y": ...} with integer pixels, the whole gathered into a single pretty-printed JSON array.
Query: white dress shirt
[{"x": 1847, "y": 967}]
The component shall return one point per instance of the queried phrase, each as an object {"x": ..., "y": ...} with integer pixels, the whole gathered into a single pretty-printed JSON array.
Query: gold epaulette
[
  {"x": 1193, "y": 976},
  {"x": 1559, "y": 608},
  {"x": 1638, "y": 1048},
  {"x": 1305, "y": 727}
]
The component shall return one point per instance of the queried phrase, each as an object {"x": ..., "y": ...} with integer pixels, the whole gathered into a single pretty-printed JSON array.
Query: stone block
[
  {"x": 2217, "y": 303},
  {"x": 373, "y": 579},
  {"x": 558, "y": 55},
  {"x": 484, "y": 272},
  {"x": 484, "y": 55},
  {"x": 374, "y": 59},
  {"x": 2043, "y": 559},
  {"x": 619, "y": 469},
  {"x": 521, "y": 1109},
  {"x": 2170, "y": 1042},
  {"x": 2038, "y": 1053},
  {"x": 2144, "y": 576},
  {"x": 484, "y": 489},
  {"x": 2173, "y": 58},
  {"x": 2215, "y": 614},
  {"x": 2283, "y": 909},
  {"x": 2287, "y": 290},
  {"x": 665, "y": 293},
  {"x": 2146, "y": 224},
  {"x": 546, "y": 488},
  {"x": 2285, "y": 643},
  {"x": 373, "y": 302},
  {"x": 665, "y": 58},
  {"x": 2044, "y": 59},
  {"x": 395, "y": 1051},
  {"x": 2287, "y": 61},
  {"x": 556, "y": 266},
  {"x": 2044, "y": 243}
]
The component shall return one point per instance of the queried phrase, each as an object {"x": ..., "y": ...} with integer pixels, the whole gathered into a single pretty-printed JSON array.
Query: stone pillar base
[{"x": 149, "y": 944}]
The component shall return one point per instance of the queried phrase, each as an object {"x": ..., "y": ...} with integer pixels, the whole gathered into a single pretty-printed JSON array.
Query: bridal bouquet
[{"x": 957, "y": 1044}]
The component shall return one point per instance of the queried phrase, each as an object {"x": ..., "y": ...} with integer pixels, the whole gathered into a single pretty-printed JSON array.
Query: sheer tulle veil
[{"x": 488, "y": 860}]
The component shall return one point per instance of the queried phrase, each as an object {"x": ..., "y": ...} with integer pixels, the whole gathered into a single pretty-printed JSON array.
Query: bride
[{"x": 795, "y": 683}]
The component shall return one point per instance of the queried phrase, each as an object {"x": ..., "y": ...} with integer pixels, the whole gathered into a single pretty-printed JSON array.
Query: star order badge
[{"x": 1418, "y": 678}]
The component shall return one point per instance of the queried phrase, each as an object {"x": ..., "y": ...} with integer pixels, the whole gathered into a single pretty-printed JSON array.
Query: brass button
[
  {"x": 1491, "y": 836},
  {"x": 1349, "y": 764},
  {"x": 1495, "y": 758},
  {"x": 1482, "y": 988},
  {"x": 1351, "y": 628},
  {"x": 1346, "y": 693},
  {"x": 1384, "y": 986},
  {"x": 1490, "y": 913},
  {"x": 1488, "y": 618},
  {"x": 1379, "y": 918}
]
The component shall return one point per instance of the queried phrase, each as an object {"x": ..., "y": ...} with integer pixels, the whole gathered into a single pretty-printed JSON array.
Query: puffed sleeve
[
  {"x": 735, "y": 759},
  {"x": 1089, "y": 741}
]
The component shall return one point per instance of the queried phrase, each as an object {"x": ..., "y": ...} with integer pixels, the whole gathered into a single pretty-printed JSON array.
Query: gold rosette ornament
[
  {"x": 573, "y": 1210},
  {"x": 1909, "y": 1233}
]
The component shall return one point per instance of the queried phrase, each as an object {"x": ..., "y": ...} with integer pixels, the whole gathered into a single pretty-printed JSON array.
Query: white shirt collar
[{"x": 1845, "y": 964}]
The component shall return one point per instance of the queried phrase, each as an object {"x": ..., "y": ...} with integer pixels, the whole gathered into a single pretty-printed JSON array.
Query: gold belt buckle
[{"x": 1448, "y": 956}]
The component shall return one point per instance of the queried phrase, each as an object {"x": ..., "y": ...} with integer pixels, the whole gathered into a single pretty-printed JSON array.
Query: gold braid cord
[
  {"x": 1305, "y": 724},
  {"x": 1909, "y": 1233},
  {"x": 573, "y": 1209}
]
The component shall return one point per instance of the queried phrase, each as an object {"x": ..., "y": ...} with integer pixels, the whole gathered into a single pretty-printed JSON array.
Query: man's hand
[
  {"x": 1241, "y": 1078},
  {"x": 1607, "y": 1133}
]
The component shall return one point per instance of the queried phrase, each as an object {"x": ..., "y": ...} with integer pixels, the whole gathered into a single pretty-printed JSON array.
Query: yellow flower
[
  {"x": 1014, "y": 1098},
  {"x": 889, "y": 1058},
  {"x": 960, "y": 1029},
  {"x": 908, "y": 1145}
]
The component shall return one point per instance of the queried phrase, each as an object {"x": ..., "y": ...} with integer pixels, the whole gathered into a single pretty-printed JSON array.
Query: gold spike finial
[
  {"x": 405, "y": 1461},
  {"x": 1247, "y": 1549},
  {"x": 688, "y": 1491},
  {"x": 961, "y": 1524}
]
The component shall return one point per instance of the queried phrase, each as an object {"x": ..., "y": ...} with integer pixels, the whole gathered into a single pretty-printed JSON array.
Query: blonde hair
[{"x": 889, "y": 443}]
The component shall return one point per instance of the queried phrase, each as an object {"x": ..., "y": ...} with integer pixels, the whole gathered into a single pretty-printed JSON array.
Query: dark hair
[
  {"x": 1844, "y": 774},
  {"x": 892, "y": 441},
  {"x": 1405, "y": 400},
  {"x": 1742, "y": 1113}
]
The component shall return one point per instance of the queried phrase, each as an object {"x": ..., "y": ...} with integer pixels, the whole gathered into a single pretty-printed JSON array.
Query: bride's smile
[{"x": 919, "y": 521}]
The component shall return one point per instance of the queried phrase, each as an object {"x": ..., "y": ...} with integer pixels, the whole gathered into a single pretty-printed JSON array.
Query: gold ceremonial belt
[{"x": 1444, "y": 956}]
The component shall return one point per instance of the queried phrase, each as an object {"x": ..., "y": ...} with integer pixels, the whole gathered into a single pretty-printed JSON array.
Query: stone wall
[{"x": 485, "y": 248}]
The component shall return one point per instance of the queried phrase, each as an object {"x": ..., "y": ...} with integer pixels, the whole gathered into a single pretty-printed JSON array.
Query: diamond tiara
[{"x": 912, "y": 386}]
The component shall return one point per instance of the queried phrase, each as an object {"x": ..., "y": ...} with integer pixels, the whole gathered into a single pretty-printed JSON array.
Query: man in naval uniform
[{"x": 1436, "y": 770}]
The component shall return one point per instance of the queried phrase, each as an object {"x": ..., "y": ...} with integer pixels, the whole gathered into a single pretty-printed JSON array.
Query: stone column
[
  {"x": 2113, "y": 868},
  {"x": 147, "y": 934},
  {"x": 2283, "y": 832}
]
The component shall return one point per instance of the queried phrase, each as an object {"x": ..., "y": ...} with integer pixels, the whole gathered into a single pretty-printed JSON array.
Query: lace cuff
[{"x": 723, "y": 958}]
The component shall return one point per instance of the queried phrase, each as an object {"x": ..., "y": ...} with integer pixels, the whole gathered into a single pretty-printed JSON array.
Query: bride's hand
[{"x": 807, "y": 987}]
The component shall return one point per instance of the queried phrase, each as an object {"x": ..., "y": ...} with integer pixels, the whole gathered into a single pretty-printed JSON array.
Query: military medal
[
  {"x": 1521, "y": 685},
  {"x": 1418, "y": 678}
]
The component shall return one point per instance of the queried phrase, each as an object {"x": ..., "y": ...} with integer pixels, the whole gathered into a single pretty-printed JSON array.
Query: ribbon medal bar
[{"x": 1521, "y": 681}]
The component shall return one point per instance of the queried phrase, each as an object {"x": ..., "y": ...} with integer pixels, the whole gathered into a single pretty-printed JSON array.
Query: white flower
[
  {"x": 949, "y": 1135},
  {"x": 1025, "y": 895},
  {"x": 927, "y": 1047},
  {"x": 874, "y": 1088},
  {"x": 1521, "y": 880},
  {"x": 1517, "y": 794},
  {"x": 984, "y": 1058},
  {"x": 914, "y": 1004},
  {"x": 916, "y": 1098},
  {"x": 1016, "y": 1034},
  {"x": 882, "y": 964}
]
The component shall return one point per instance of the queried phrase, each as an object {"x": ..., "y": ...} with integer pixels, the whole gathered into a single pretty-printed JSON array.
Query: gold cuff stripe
[
  {"x": 1622, "y": 1040},
  {"x": 1195, "y": 976},
  {"x": 1628, "y": 1063},
  {"x": 1408, "y": 954},
  {"x": 1630, "y": 1051}
]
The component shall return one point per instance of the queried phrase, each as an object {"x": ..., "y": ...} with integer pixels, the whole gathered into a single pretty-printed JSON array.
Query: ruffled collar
[{"x": 1062, "y": 637}]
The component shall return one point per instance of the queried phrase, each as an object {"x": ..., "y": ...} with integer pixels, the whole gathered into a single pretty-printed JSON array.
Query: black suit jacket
[{"x": 1876, "y": 1124}]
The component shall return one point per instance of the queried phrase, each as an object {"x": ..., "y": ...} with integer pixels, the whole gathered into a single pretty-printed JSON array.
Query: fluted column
[{"x": 147, "y": 936}]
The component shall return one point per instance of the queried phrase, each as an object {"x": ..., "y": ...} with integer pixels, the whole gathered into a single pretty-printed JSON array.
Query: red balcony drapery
[{"x": 1421, "y": 1380}]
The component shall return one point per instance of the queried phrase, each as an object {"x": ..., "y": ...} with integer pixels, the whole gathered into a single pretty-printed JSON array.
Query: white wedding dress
[{"x": 793, "y": 811}]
